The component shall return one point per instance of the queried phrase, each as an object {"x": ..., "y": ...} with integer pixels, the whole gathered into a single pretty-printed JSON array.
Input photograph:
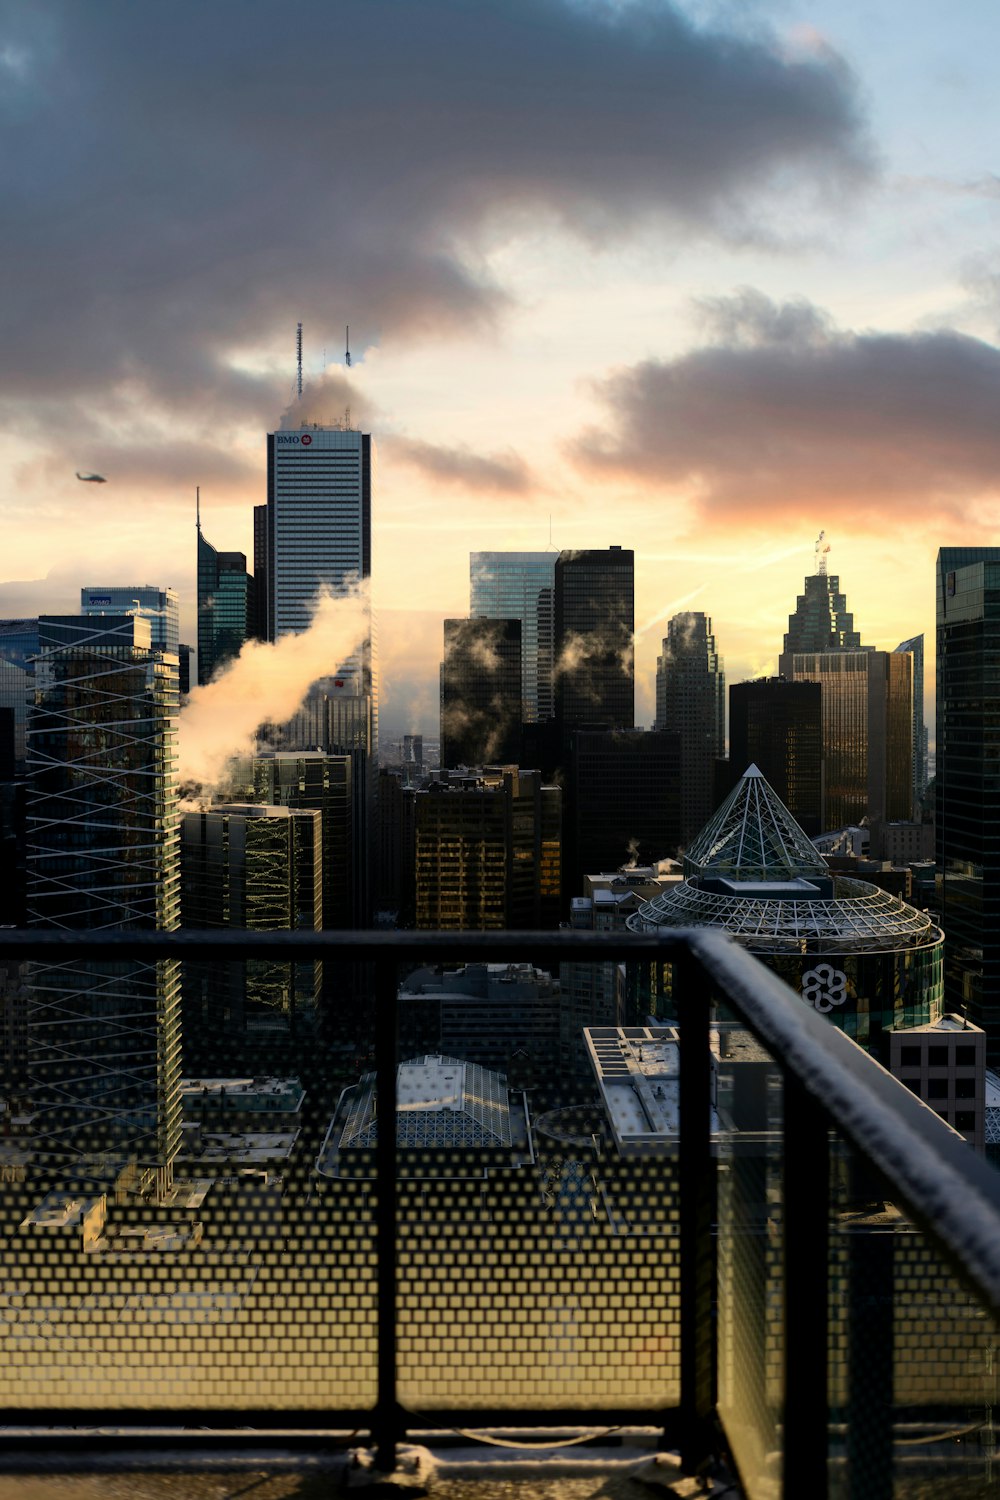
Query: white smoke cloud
[{"x": 267, "y": 681}]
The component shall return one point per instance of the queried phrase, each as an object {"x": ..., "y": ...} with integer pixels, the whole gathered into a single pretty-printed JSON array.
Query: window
[
  {"x": 937, "y": 1057},
  {"x": 937, "y": 1088},
  {"x": 909, "y": 1057},
  {"x": 965, "y": 1119},
  {"x": 965, "y": 1088},
  {"x": 965, "y": 1056}
]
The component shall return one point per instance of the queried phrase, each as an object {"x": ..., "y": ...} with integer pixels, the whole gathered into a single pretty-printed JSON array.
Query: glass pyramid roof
[{"x": 753, "y": 836}]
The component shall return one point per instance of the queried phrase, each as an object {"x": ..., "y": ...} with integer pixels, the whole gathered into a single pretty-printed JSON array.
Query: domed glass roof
[
  {"x": 753, "y": 836},
  {"x": 789, "y": 902}
]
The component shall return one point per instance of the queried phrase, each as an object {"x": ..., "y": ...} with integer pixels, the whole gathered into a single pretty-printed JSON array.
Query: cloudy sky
[{"x": 694, "y": 277}]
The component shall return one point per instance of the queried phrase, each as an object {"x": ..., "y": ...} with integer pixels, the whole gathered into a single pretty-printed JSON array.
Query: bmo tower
[{"x": 317, "y": 534}]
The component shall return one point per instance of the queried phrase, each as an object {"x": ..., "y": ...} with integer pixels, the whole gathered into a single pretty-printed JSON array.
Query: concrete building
[
  {"x": 944, "y": 1063},
  {"x": 501, "y": 1016}
]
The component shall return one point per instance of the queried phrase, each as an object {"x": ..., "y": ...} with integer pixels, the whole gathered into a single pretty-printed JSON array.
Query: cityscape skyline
[{"x": 555, "y": 346}]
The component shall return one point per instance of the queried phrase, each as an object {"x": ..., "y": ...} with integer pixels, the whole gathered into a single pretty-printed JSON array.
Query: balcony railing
[{"x": 826, "y": 1311}]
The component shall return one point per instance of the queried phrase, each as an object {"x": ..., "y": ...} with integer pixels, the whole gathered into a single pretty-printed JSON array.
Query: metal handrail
[{"x": 830, "y": 1083}]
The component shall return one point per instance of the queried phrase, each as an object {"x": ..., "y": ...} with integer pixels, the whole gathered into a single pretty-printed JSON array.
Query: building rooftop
[{"x": 753, "y": 872}]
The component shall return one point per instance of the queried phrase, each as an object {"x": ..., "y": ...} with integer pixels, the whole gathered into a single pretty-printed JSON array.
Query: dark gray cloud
[
  {"x": 503, "y": 473},
  {"x": 183, "y": 181},
  {"x": 786, "y": 415}
]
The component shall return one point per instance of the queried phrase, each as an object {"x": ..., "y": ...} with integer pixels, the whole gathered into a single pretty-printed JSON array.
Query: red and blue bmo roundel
[{"x": 306, "y": 439}]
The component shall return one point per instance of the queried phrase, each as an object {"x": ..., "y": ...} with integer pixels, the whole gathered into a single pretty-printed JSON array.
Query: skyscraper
[
  {"x": 520, "y": 586},
  {"x": 158, "y": 606},
  {"x": 915, "y": 647},
  {"x": 226, "y": 607},
  {"x": 319, "y": 520},
  {"x": 104, "y": 1039},
  {"x": 777, "y": 726},
  {"x": 487, "y": 852},
  {"x": 318, "y": 535},
  {"x": 622, "y": 803},
  {"x": 481, "y": 693},
  {"x": 967, "y": 783},
  {"x": 594, "y": 627},
  {"x": 260, "y": 868},
  {"x": 867, "y": 705},
  {"x": 18, "y": 649},
  {"x": 821, "y": 620},
  {"x": 311, "y": 779},
  {"x": 691, "y": 702}
]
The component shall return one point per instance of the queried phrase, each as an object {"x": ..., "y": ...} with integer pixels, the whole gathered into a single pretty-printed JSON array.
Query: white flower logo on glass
[{"x": 824, "y": 987}]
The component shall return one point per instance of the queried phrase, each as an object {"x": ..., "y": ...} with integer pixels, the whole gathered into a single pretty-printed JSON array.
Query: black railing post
[
  {"x": 697, "y": 1241},
  {"x": 387, "y": 1427},
  {"x": 806, "y": 1219}
]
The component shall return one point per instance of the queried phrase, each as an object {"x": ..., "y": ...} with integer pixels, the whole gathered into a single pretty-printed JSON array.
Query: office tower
[
  {"x": 323, "y": 783},
  {"x": 319, "y": 537},
  {"x": 18, "y": 649},
  {"x": 103, "y": 853},
  {"x": 260, "y": 572},
  {"x": 821, "y": 620},
  {"x": 623, "y": 801},
  {"x": 520, "y": 586},
  {"x": 777, "y": 726},
  {"x": 260, "y": 868},
  {"x": 158, "y": 606},
  {"x": 594, "y": 626},
  {"x": 481, "y": 692},
  {"x": 915, "y": 647},
  {"x": 184, "y": 655},
  {"x": 395, "y": 876},
  {"x": 503, "y": 1015},
  {"x": 691, "y": 702},
  {"x": 867, "y": 707},
  {"x": 226, "y": 607},
  {"x": 413, "y": 752},
  {"x": 487, "y": 852},
  {"x": 967, "y": 786},
  {"x": 856, "y": 954}
]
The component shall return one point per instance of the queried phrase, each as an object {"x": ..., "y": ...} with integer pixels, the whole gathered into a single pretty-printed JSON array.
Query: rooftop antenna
[
  {"x": 197, "y": 508},
  {"x": 298, "y": 356},
  {"x": 552, "y": 546},
  {"x": 347, "y": 341},
  {"x": 821, "y": 552}
]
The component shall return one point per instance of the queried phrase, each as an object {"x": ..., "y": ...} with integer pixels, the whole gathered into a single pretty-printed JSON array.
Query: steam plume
[{"x": 267, "y": 681}]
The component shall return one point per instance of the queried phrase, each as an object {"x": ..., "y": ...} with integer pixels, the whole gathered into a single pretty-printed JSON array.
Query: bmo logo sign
[{"x": 304, "y": 438}]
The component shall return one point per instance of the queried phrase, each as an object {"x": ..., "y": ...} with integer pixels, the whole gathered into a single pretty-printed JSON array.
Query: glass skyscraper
[
  {"x": 691, "y": 702},
  {"x": 481, "y": 693},
  {"x": 103, "y": 853},
  {"x": 226, "y": 607},
  {"x": 867, "y": 699},
  {"x": 777, "y": 726},
  {"x": 520, "y": 586},
  {"x": 915, "y": 648},
  {"x": 594, "y": 630},
  {"x": 821, "y": 620},
  {"x": 18, "y": 649},
  {"x": 158, "y": 606},
  {"x": 968, "y": 782}
]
